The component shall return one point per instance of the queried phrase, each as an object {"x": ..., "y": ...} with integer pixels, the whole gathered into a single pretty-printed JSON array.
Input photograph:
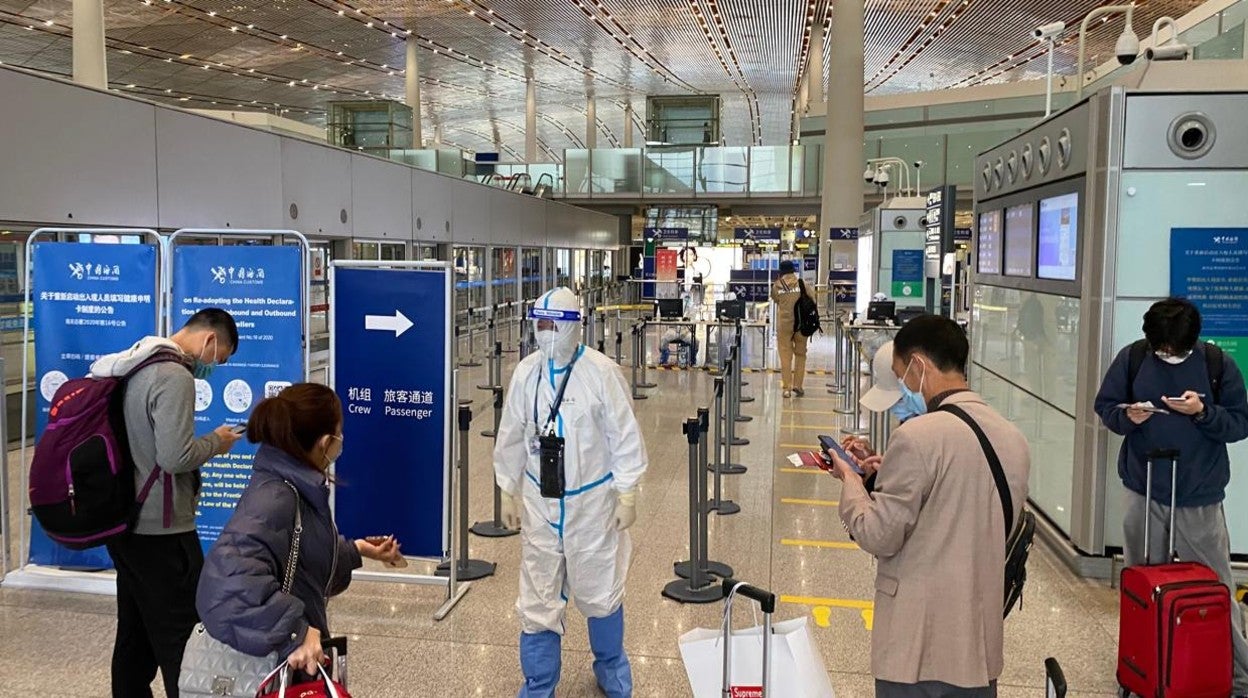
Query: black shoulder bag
[{"x": 1018, "y": 539}]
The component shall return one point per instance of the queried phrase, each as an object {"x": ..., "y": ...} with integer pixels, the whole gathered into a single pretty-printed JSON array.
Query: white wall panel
[
  {"x": 71, "y": 155},
  {"x": 516, "y": 219},
  {"x": 470, "y": 219},
  {"x": 215, "y": 174},
  {"x": 431, "y": 206},
  {"x": 316, "y": 180},
  {"x": 381, "y": 198}
]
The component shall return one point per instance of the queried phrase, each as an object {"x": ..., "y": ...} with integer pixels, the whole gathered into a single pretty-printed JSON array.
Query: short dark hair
[
  {"x": 219, "y": 321},
  {"x": 1172, "y": 324},
  {"x": 938, "y": 338}
]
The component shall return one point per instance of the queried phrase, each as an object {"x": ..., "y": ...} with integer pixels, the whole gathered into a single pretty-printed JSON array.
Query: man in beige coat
[
  {"x": 935, "y": 523},
  {"x": 789, "y": 342}
]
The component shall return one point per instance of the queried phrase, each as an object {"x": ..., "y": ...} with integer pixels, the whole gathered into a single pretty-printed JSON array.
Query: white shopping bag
[{"x": 796, "y": 667}]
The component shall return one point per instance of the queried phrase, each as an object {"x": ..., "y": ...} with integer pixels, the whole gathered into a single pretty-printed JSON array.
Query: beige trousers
[{"x": 792, "y": 359}]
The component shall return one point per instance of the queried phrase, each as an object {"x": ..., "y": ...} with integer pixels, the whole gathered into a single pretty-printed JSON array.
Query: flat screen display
[
  {"x": 1020, "y": 250},
  {"x": 988, "y": 247},
  {"x": 1058, "y": 242}
]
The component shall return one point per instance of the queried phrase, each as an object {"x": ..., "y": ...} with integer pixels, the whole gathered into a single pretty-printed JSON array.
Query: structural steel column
[
  {"x": 841, "y": 206},
  {"x": 628, "y": 124},
  {"x": 530, "y": 121},
  {"x": 591, "y": 122},
  {"x": 412, "y": 80},
  {"x": 90, "y": 63},
  {"x": 816, "y": 63}
]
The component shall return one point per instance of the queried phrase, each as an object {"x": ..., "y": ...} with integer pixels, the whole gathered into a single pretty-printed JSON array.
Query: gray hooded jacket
[{"x": 160, "y": 424}]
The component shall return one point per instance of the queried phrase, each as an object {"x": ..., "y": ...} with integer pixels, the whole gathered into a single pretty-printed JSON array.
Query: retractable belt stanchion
[
  {"x": 709, "y": 567},
  {"x": 637, "y": 358},
  {"x": 644, "y": 358},
  {"x": 512, "y": 319},
  {"x": 601, "y": 327},
  {"x": 695, "y": 583},
  {"x": 465, "y": 569},
  {"x": 739, "y": 382},
  {"x": 718, "y": 504},
  {"x": 496, "y": 357},
  {"x": 732, "y": 409},
  {"x": 472, "y": 345},
  {"x": 837, "y": 384},
  {"x": 846, "y": 378},
  {"x": 498, "y": 396},
  {"x": 619, "y": 342},
  {"x": 495, "y": 528},
  {"x": 852, "y": 389}
]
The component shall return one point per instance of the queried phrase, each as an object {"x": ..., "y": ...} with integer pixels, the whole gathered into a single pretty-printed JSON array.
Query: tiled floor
[{"x": 56, "y": 644}]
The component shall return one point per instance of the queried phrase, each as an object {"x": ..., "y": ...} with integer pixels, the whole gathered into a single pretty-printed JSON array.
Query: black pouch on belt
[{"x": 553, "y": 482}]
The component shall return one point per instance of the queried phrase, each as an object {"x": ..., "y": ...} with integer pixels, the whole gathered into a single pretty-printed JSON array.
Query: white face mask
[
  {"x": 1172, "y": 359},
  {"x": 559, "y": 344}
]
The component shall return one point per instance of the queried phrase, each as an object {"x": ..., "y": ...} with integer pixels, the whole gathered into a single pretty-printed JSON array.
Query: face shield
[{"x": 556, "y": 318}]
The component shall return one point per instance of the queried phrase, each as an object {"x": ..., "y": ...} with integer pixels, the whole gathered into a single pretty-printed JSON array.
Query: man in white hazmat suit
[{"x": 574, "y": 542}]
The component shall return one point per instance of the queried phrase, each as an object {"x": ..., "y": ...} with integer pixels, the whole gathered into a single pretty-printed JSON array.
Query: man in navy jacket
[{"x": 1175, "y": 376}]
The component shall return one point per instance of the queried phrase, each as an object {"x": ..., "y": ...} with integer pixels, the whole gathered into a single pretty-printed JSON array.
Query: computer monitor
[
  {"x": 881, "y": 311},
  {"x": 671, "y": 308},
  {"x": 730, "y": 310},
  {"x": 905, "y": 315}
]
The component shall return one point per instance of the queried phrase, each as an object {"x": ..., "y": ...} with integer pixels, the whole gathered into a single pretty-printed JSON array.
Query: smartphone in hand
[
  {"x": 239, "y": 429},
  {"x": 830, "y": 446}
]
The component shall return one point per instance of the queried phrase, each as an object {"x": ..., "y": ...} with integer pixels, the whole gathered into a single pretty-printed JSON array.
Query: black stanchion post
[
  {"x": 731, "y": 410},
  {"x": 601, "y": 330},
  {"x": 739, "y": 382},
  {"x": 709, "y": 567},
  {"x": 644, "y": 359},
  {"x": 721, "y": 506},
  {"x": 619, "y": 342},
  {"x": 495, "y": 528},
  {"x": 637, "y": 358},
  {"x": 466, "y": 569},
  {"x": 496, "y": 357},
  {"x": 698, "y": 587},
  {"x": 512, "y": 319},
  {"x": 472, "y": 344}
]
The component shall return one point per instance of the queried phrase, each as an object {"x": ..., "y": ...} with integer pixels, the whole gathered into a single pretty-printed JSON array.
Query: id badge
[{"x": 535, "y": 445}]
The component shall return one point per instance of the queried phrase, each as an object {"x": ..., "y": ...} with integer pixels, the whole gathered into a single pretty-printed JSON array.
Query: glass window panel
[
  {"x": 576, "y": 164},
  {"x": 668, "y": 171},
  {"x": 531, "y": 270},
  {"x": 723, "y": 170},
  {"x": 469, "y": 263},
  {"x": 617, "y": 170},
  {"x": 1234, "y": 16},
  {"x": 504, "y": 274},
  {"x": 770, "y": 169},
  {"x": 1200, "y": 33},
  {"x": 1228, "y": 46},
  {"x": 1022, "y": 335}
]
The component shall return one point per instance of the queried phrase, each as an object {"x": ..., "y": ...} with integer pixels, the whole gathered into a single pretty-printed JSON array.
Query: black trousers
[{"x": 156, "y": 581}]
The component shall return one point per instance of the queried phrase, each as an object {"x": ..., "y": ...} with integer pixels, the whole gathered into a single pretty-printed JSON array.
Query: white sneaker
[{"x": 788, "y": 393}]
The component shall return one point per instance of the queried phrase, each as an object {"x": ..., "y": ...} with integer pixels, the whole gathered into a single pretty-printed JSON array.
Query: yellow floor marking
[
  {"x": 822, "y": 614},
  {"x": 837, "y": 545},
  {"x": 834, "y": 603},
  {"x": 811, "y": 427},
  {"x": 801, "y": 470},
  {"x": 868, "y": 618},
  {"x": 811, "y": 502},
  {"x": 827, "y": 412},
  {"x": 803, "y": 447}
]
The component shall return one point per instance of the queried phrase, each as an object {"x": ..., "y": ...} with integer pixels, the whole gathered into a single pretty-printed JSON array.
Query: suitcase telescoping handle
[
  {"x": 1172, "y": 455},
  {"x": 767, "y": 601}
]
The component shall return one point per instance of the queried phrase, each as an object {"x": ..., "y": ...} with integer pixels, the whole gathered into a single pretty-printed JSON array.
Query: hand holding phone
[
  {"x": 831, "y": 447},
  {"x": 239, "y": 429}
]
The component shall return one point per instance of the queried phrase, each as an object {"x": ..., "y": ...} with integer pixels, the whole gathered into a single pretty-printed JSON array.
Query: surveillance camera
[
  {"x": 1049, "y": 31},
  {"x": 1169, "y": 52},
  {"x": 868, "y": 175},
  {"x": 918, "y": 164},
  {"x": 881, "y": 178},
  {"x": 1127, "y": 48}
]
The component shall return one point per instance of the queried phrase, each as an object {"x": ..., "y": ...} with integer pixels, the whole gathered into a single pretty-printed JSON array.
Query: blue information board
[
  {"x": 751, "y": 285},
  {"x": 907, "y": 274},
  {"x": 392, "y": 372},
  {"x": 757, "y": 234},
  {"x": 262, "y": 287},
  {"x": 843, "y": 234},
  {"x": 89, "y": 300},
  {"x": 661, "y": 234},
  {"x": 1209, "y": 267}
]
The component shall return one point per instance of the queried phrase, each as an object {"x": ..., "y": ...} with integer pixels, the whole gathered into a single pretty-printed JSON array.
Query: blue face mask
[
  {"x": 911, "y": 403},
  {"x": 903, "y": 410},
  {"x": 202, "y": 369}
]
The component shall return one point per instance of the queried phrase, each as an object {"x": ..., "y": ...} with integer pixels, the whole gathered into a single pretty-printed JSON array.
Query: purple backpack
[{"x": 82, "y": 488}]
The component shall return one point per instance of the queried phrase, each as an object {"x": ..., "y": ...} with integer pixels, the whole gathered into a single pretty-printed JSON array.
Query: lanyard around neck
[{"x": 563, "y": 385}]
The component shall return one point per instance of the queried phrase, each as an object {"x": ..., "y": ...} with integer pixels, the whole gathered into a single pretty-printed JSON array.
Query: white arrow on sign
[{"x": 398, "y": 323}]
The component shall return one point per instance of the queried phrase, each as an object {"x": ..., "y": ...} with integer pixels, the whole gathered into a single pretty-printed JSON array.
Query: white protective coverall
[{"x": 570, "y": 547}]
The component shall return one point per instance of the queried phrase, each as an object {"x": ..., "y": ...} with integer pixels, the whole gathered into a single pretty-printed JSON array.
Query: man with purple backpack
[{"x": 159, "y": 561}]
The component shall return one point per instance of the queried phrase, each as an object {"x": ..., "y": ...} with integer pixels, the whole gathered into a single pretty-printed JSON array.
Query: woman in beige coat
[{"x": 791, "y": 343}]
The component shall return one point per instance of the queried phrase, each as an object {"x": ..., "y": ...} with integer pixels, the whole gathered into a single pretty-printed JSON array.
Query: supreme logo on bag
[{"x": 747, "y": 692}]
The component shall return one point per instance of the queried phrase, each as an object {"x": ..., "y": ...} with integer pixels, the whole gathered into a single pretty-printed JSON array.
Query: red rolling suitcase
[{"x": 1174, "y": 630}]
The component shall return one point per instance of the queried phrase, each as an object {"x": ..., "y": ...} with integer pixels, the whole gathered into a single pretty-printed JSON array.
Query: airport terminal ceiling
[{"x": 293, "y": 56}]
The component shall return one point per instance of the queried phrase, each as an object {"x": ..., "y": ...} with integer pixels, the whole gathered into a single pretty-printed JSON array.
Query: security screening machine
[{"x": 466, "y": 568}]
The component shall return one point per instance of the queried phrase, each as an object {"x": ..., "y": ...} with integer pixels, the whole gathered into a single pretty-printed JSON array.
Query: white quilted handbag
[{"x": 212, "y": 668}]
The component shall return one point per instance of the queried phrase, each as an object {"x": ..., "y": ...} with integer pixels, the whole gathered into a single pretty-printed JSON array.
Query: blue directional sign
[
  {"x": 757, "y": 234},
  {"x": 262, "y": 288},
  {"x": 392, "y": 356},
  {"x": 89, "y": 300},
  {"x": 843, "y": 234},
  {"x": 661, "y": 234}
]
